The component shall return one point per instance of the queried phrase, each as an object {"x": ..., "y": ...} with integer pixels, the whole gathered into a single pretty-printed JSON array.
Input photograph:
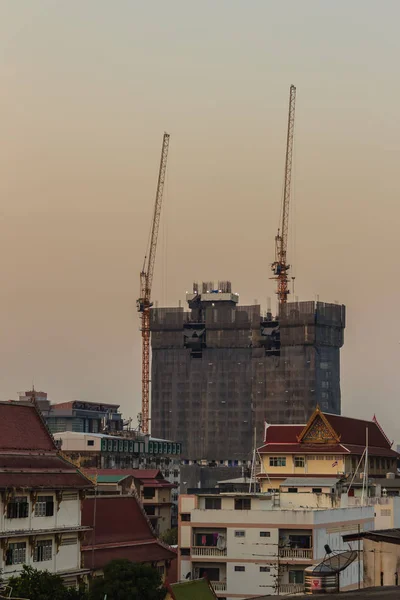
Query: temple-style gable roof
[{"x": 339, "y": 434}]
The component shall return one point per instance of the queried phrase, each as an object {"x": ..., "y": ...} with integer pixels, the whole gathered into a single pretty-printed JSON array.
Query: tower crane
[
  {"x": 280, "y": 267},
  {"x": 146, "y": 279}
]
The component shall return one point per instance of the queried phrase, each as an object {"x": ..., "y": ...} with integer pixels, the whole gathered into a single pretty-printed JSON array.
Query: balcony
[
  {"x": 207, "y": 551},
  {"x": 219, "y": 586},
  {"x": 291, "y": 588},
  {"x": 296, "y": 553}
]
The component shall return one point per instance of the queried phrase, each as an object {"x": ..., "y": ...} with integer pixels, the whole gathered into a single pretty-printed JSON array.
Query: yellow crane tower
[
  {"x": 280, "y": 266},
  {"x": 146, "y": 280}
]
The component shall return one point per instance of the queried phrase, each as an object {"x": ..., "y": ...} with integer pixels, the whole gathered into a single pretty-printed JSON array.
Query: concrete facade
[{"x": 248, "y": 546}]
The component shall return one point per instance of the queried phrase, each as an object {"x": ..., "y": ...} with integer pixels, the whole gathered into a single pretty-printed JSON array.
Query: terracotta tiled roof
[
  {"x": 118, "y": 519},
  {"x": 350, "y": 431},
  {"x": 283, "y": 434},
  {"x": 353, "y": 431},
  {"x": 121, "y": 530},
  {"x": 22, "y": 428},
  {"x": 136, "y": 473},
  {"x": 28, "y": 455},
  {"x": 100, "y": 556},
  {"x": 44, "y": 481},
  {"x": 156, "y": 483}
]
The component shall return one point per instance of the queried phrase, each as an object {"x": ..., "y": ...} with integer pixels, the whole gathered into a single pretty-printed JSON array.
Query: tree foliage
[
  {"x": 42, "y": 585},
  {"x": 170, "y": 536},
  {"x": 124, "y": 580}
]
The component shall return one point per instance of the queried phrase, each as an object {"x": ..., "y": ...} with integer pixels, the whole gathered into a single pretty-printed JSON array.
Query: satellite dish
[{"x": 221, "y": 543}]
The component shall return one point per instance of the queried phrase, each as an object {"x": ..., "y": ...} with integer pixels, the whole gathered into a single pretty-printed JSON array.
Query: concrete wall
[
  {"x": 65, "y": 555},
  {"x": 381, "y": 557}
]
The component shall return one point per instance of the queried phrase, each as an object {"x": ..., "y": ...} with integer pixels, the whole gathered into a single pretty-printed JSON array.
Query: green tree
[
  {"x": 124, "y": 580},
  {"x": 170, "y": 536},
  {"x": 42, "y": 585}
]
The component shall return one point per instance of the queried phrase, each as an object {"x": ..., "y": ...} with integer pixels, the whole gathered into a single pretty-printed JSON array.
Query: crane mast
[
  {"x": 280, "y": 267},
  {"x": 146, "y": 280}
]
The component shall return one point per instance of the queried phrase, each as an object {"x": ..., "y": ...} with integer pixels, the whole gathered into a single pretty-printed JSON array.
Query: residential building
[
  {"x": 196, "y": 589},
  {"x": 220, "y": 369},
  {"x": 75, "y": 415},
  {"x": 40, "y": 498},
  {"x": 100, "y": 451},
  {"x": 119, "y": 528},
  {"x": 381, "y": 556},
  {"x": 327, "y": 445},
  {"x": 150, "y": 486},
  {"x": 248, "y": 544}
]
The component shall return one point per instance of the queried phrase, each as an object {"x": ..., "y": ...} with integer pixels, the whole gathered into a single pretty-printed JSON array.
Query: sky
[{"x": 87, "y": 90}]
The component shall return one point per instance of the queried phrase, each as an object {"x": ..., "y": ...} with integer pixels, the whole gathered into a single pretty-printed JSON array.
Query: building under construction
[{"x": 220, "y": 370}]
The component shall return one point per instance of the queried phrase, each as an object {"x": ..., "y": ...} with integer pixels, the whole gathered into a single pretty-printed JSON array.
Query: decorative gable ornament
[{"x": 318, "y": 430}]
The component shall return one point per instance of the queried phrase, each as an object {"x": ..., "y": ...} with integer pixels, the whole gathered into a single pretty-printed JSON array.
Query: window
[
  {"x": 18, "y": 508},
  {"x": 185, "y": 551},
  {"x": 16, "y": 553},
  {"x": 240, "y": 534},
  {"x": 386, "y": 512},
  {"x": 299, "y": 461},
  {"x": 149, "y": 493},
  {"x": 240, "y": 568},
  {"x": 44, "y": 506},
  {"x": 176, "y": 473},
  {"x": 296, "y": 576},
  {"x": 242, "y": 504},
  {"x": 185, "y": 516},
  {"x": 265, "y": 534},
  {"x": 277, "y": 461},
  {"x": 292, "y": 490},
  {"x": 265, "y": 569},
  {"x": 90, "y": 442},
  {"x": 317, "y": 490},
  {"x": 213, "y": 503},
  {"x": 43, "y": 551}
]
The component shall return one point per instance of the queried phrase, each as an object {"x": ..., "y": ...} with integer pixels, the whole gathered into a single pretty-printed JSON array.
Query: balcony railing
[
  {"x": 291, "y": 588},
  {"x": 207, "y": 551},
  {"x": 301, "y": 553},
  {"x": 219, "y": 586}
]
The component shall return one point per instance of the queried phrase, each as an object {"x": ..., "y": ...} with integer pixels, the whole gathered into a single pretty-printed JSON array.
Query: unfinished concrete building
[{"x": 220, "y": 370}]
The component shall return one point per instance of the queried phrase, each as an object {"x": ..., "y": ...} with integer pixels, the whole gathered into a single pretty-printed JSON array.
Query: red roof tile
[
  {"x": 353, "y": 431},
  {"x": 22, "y": 428},
  {"x": 118, "y": 519},
  {"x": 56, "y": 481},
  {"x": 372, "y": 451},
  {"x": 156, "y": 483},
  {"x": 136, "y": 473},
  {"x": 350, "y": 431},
  {"x": 283, "y": 434},
  {"x": 152, "y": 551}
]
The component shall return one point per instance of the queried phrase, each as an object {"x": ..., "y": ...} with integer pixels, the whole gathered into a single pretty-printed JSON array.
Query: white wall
[{"x": 68, "y": 516}]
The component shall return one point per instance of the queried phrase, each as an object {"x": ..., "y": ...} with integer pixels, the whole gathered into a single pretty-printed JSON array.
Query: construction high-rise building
[{"x": 220, "y": 370}]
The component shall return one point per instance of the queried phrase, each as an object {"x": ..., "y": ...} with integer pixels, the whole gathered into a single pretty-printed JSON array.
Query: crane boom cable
[{"x": 146, "y": 280}]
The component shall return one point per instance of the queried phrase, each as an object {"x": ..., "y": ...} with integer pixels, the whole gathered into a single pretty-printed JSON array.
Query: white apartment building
[
  {"x": 40, "y": 498},
  {"x": 258, "y": 544}
]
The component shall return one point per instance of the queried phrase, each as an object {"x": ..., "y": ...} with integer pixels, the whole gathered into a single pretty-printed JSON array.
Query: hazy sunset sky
[{"x": 87, "y": 90}]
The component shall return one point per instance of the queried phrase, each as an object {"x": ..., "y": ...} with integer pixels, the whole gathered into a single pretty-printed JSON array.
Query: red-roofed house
[
  {"x": 40, "y": 497},
  {"x": 153, "y": 490},
  {"x": 119, "y": 528},
  {"x": 328, "y": 445}
]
